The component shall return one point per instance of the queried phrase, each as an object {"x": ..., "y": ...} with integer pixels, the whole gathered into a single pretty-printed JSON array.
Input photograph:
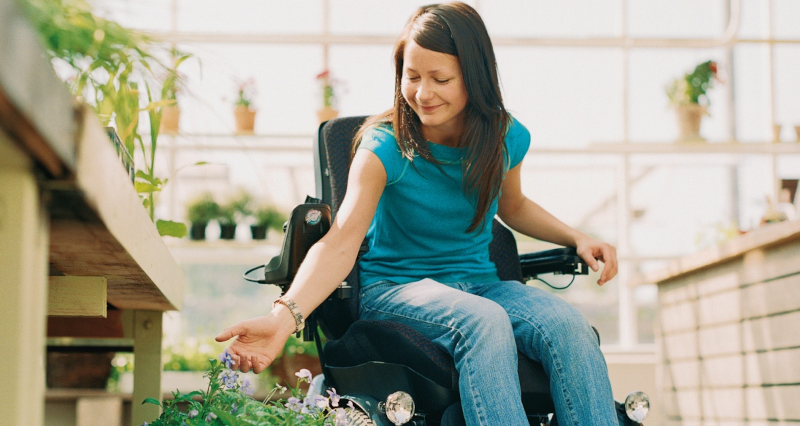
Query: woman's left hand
[{"x": 592, "y": 250}]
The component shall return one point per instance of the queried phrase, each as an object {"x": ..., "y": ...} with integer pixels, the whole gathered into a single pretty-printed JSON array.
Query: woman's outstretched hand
[
  {"x": 258, "y": 341},
  {"x": 592, "y": 250}
]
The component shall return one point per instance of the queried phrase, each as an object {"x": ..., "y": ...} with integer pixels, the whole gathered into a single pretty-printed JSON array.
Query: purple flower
[
  {"x": 341, "y": 417},
  {"x": 193, "y": 413},
  {"x": 247, "y": 387},
  {"x": 229, "y": 379},
  {"x": 210, "y": 417},
  {"x": 350, "y": 404},
  {"x": 334, "y": 397},
  {"x": 293, "y": 404},
  {"x": 304, "y": 374},
  {"x": 234, "y": 408},
  {"x": 226, "y": 358},
  {"x": 316, "y": 401}
]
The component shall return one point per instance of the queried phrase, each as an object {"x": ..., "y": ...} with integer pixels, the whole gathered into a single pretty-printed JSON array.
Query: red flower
[
  {"x": 323, "y": 74},
  {"x": 713, "y": 67}
]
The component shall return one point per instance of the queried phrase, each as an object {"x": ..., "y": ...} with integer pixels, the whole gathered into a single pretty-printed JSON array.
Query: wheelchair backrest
[{"x": 332, "y": 164}]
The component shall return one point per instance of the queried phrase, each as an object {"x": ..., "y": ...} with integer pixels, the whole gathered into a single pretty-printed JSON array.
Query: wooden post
[
  {"x": 24, "y": 241},
  {"x": 77, "y": 297},
  {"x": 147, "y": 366}
]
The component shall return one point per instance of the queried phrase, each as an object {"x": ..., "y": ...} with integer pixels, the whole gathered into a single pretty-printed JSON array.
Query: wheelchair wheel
[{"x": 356, "y": 417}]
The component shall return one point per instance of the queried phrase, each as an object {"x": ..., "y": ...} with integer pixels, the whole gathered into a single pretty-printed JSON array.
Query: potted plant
[
  {"x": 266, "y": 217},
  {"x": 236, "y": 208},
  {"x": 171, "y": 111},
  {"x": 114, "y": 73},
  {"x": 689, "y": 97},
  {"x": 245, "y": 113},
  {"x": 328, "y": 110},
  {"x": 199, "y": 212},
  {"x": 227, "y": 400}
]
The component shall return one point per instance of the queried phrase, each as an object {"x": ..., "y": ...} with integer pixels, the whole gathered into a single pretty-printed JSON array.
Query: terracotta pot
[
  {"x": 776, "y": 133},
  {"x": 689, "y": 118},
  {"x": 326, "y": 114},
  {"x": 170, "y": 119},
  {"x": 245, "y": 120}
]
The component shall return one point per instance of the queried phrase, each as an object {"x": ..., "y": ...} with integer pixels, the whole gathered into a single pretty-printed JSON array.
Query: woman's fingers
[
  {"x": 609, "y": 257},
  {"x": 230, "y": 332},
  {"x": 245, "y": 365}
]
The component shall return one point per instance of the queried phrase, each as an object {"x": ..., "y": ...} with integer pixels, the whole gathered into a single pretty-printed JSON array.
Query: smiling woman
[{"x": 434, "y": 88}]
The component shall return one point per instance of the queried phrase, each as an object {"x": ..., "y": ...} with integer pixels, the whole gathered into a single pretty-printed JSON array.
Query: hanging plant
[{"x": 110, "y": 64}]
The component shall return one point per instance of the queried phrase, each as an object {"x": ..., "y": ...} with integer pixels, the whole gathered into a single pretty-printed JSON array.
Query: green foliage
[
  {"x": 693, "y": 87},
  {"x": 226, "y": 401},
  {"x": 191, "y": 354},
  {"x": 246, "y": 93},
  {"x": 111, "y": 63},
  {"x": 171, "y": 228},
  {"x": 202, "y": 209},
  {"x": 235, "y": 209},
  {"x": 328, "y": 92},
  {"x": 269, "y": 216}
]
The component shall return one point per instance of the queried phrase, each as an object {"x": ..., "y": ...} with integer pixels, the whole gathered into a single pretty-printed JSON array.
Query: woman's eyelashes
[{"x": 438, "y": 80}]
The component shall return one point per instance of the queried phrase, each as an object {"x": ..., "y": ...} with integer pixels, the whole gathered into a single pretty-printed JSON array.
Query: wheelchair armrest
[
  {"x": 555, "y": 261},
  {"x": 307, "y": 224}
]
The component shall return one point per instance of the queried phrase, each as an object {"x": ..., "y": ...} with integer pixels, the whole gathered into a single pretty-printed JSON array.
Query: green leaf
[
  {"x": 151, "y": 401},
  {"x": 141, "y": 174},
  {"x": 170, "y": 228},
  {"x": 142, "y": 187}
]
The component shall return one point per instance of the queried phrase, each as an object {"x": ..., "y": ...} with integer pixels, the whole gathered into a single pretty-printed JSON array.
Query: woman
[{"x": 426, "y": 179}]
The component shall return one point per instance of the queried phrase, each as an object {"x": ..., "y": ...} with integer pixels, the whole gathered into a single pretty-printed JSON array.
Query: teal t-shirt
[{"x": 419, "y": 228}]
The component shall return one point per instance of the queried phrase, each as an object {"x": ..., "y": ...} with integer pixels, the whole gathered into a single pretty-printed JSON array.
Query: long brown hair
[{"x": 455, "y": 29}]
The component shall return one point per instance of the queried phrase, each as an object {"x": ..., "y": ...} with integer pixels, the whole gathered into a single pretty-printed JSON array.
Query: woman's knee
[
  {"x": 566, "y": 324},
  {"x": 486, "y": 318}
]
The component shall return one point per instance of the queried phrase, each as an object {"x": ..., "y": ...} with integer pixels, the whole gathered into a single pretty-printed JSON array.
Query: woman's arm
[
  {"x": 260, "y": 340},
  {"x": 527, "y": 217}
]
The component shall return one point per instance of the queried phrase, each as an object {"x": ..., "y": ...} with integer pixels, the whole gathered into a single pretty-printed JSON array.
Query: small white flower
[{"x": 304, "y": 374}]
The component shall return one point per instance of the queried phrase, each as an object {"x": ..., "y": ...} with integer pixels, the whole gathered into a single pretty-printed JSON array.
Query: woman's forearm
[
  {"x": 325, "y": 267},
  {"x": 532, "y": 220}
]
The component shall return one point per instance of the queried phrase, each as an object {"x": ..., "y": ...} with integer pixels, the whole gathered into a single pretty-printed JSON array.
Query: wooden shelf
[
  {"x": 98, "y": 227},
  {"x": 676, "y": 148}
]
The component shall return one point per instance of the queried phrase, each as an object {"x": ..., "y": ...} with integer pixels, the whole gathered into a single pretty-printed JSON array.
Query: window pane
[
  {"x": 566, "y": 97},
  {"x": 787, "y": 89},
  {"x": 573, "y": 18},
  {"x": 681, "y": 204},
  {"x": 284, "y": 75},
  {"x": 369, "y": 17},
  {"x": 651, "y": 70},
  {"x": 752, "y": 93},
  {"x": 149, "y": 15},
  {"x": 676, "y": 18},
  {"x": 250, "y": 16},
  {"x": 753, "y": 24},
  {"x": 366, "y": 74},
  {"x": 785, "y": 13}
]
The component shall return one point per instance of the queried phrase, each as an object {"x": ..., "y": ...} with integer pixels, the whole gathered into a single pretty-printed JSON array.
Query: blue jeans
[{"x": 483, "y": 324}]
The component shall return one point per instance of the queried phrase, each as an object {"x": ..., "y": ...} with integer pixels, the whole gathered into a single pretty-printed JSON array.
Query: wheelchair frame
[{"x": 308, "y": 223}]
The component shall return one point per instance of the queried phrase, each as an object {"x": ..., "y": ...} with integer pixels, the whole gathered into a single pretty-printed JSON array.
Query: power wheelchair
[{"x": 390, "y": 372}]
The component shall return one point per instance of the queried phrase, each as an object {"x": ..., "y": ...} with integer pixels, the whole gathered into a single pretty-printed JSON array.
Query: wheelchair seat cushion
[{"x": 395, "y": 343}]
